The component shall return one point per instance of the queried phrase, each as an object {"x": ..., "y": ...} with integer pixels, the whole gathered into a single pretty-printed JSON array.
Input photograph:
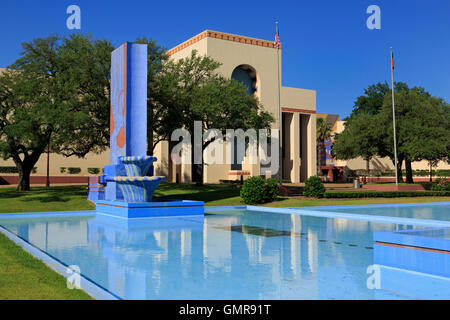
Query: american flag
[
  {"x": 392, "y": 59},
  {"x": 277, "y": 43}
]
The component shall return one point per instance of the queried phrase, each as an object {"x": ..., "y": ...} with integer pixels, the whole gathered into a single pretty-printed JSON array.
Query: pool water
[
  {"x": 232, "y": 255},
  {"x": 434, "y": 211}
]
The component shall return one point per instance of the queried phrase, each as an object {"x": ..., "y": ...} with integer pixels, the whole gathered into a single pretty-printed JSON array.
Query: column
[
  {"x": 295, "y": 148},
  {"x": 312, "y": 149}
]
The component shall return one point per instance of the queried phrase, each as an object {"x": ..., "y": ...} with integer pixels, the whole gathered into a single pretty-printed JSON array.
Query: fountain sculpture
[{"x": 127, "y": 186}]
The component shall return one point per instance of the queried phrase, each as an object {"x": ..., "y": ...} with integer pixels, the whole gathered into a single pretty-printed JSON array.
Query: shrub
[
  {"x": 391, "y": 173},
  {"x": 441, "y": 184},
  {"x": 272, "y": 189},
  {"x": 62, "y": 169},
  {"x": 256, "y": 190},
  {"x": 74, "y": 170},
  {"x": 224, "y": 181},
  {"x": 12, "y": 169},
  {"x": 252, "y": 191},
  {"x": 443, "y": 173},
  {"x": 8, "y": 170},
  {"x": 314, "y": 187},
  {"x": 93, "y": 170}
]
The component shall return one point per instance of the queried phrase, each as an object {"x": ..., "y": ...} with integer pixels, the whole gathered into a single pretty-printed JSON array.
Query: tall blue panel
[
  {"x": 136, "y": 100},
  {"x": 128, "y": 101},
  {"x": 128, "y": 123}
]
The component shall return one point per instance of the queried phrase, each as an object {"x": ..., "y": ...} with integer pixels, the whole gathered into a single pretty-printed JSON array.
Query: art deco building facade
[{"x": 253, "y": 62}]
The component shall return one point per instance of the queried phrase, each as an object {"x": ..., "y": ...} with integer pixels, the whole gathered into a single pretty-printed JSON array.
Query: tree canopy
[
  {"x": 56, "y": 93},
  {"x": 422, "y": 125},
  {"x": 201, "y": 94}
]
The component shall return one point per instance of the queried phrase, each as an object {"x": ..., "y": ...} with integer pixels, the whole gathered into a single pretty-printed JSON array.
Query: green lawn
[
  {"x": 292, "y": 202},
  {"x": 21, "y": 275},
  {"x": 41, "y": 199},
  {"x": 73, "y": 198},
  {"x": 24, "y": 277}
]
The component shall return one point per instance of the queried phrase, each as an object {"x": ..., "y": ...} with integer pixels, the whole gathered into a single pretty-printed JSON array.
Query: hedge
[
  {"x": 11, "y": 169},
  {"x": 93, "y": 170},
  {"x": 74, "y": 170},
  {"x": 224, "y": 181},
  {"x": 391, "y": 173},
  {"x": 441, "y": 185},
  {"x": 385, "y": 194}
]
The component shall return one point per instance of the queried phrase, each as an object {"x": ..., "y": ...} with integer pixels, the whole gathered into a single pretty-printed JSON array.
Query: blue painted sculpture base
[
  {"x": 168, "y": 208},
  {"x": 139, "y": 228}
]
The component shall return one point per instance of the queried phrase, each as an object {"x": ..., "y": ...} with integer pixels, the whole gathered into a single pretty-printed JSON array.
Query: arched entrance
[{"x": 246, "y": 75}]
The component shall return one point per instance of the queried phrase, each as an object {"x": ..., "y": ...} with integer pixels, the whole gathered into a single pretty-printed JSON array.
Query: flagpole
[
  {"x": 393, "y": 117},
  {"x": 280, "y": 151}
]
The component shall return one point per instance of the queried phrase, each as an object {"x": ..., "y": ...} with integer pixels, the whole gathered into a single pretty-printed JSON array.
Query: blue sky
[{"x": 326, "y": 44}]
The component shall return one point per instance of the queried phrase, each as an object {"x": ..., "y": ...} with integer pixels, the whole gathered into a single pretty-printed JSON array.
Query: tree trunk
[
  {"x": 25, "y": 167},
  {"x": 201, "y": 170},
  {"x": 368, "y": 167},
  {"x": 197, "y": 173},
  {"x": 369, "y": 179},
  {"x": 196, "y": 169},
  {"x": 24, "y": 177},
  {"x": 399, "y": 170},
  {"x": 409, "y": 173},
  {"x": 431, "y": 172}
]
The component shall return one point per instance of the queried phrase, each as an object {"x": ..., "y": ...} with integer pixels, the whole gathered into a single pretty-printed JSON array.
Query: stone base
[{"x": 151, "y": 209}]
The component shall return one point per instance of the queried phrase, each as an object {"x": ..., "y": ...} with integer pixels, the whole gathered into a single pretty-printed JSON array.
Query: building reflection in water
[{"x": 251, "y": 256}]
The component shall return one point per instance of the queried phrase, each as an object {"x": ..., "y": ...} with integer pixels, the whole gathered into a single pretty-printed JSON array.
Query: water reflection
[
  {"x": 196, "y": 258},
  {"x": 434, "y": 211}
]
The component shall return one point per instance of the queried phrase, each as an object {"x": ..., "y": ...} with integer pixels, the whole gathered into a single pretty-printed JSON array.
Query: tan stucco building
[{"x": 254, "y": 63}]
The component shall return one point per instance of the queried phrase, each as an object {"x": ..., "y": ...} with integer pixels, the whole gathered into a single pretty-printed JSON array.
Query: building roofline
[
  {"x": 221, "y": 36},
  {"x": 288, "y": 87}
]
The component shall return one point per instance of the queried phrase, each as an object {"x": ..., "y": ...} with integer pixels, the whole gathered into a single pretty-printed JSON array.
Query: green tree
[
  {"x": 56, "y": 93},
  {"x": 422, "y": 127},
  {"x": 356, "y": 140},
  {"x": 225, "y": 104},
  {"x": 371, "y": 102},
  {"x": 24, "y": 129},
  {"x": 186, "y": 76},
  {"x": 163, "y": 106},
  {"x": 201, "y": 94},
  {"x": 360, "y": 138}
]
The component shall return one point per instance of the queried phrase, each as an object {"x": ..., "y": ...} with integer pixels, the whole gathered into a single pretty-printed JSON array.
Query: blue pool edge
[
  {"x": 100, "y": 293},
  {"x": 338, "y": 215}
]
